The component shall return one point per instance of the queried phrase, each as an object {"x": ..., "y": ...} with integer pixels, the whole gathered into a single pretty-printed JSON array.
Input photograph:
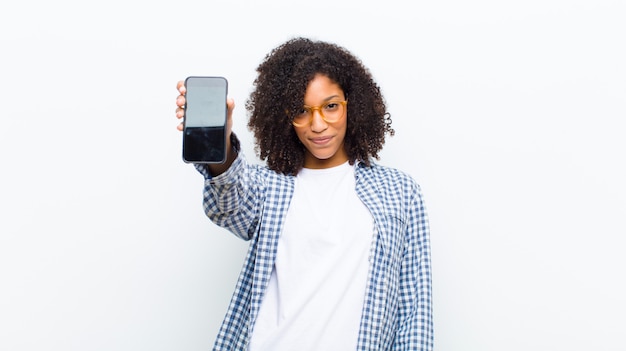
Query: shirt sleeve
[
  {"x": 415, "y": 322},
  {"x": 231, "y": 199}
]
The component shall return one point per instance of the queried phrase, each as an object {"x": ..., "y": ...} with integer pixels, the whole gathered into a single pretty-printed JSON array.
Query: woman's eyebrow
[{"x": 332, "y": 97}]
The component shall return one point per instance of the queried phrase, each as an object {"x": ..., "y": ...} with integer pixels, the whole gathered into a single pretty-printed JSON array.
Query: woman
[{"x": 339, "y": 255}]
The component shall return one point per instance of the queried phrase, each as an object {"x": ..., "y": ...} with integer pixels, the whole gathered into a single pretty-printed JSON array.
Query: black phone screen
[{"x": 204, "y": 134}]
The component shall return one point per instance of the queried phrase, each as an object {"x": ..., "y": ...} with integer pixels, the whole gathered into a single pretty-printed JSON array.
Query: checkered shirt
[{"x": 251, "y": 201}]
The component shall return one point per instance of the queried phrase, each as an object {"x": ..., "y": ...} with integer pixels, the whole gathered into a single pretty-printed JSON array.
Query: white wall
[{"x": 510, "y": 115}]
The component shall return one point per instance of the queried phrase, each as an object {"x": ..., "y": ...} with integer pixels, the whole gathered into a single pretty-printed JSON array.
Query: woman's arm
[{"x": 415, "y": 315}]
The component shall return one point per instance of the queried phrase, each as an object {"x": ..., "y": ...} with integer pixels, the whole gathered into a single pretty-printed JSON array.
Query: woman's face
[{"x": 324, "y": 141}]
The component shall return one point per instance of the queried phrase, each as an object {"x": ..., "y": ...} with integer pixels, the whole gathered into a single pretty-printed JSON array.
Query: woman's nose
[{"x": 318, "y": 124}]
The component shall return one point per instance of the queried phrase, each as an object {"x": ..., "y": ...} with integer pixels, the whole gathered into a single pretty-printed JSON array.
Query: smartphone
[{"x": 204, "y": 132}]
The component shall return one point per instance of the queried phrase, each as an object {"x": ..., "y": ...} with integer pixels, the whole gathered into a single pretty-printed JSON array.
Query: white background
[{"x": 510, "y": 114}]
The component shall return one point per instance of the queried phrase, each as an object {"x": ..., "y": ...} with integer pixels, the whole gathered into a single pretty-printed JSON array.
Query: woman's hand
[
  {"x": 180, "y": 103},
  {"x": 230, "y": 105}
]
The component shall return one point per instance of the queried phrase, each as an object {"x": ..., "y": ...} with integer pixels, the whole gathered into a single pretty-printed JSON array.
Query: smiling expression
[{"x": 323, "y": 141}]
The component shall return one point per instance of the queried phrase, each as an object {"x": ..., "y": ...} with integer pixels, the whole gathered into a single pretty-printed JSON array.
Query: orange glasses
[{"x": 331, "y": 112}]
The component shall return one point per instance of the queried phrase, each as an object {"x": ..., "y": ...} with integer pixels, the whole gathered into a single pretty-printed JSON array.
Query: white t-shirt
[{"x": 316, "y": 291}]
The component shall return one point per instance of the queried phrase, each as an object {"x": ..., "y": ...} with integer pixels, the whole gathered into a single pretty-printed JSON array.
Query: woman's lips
[{"x": 321, "y": 140}]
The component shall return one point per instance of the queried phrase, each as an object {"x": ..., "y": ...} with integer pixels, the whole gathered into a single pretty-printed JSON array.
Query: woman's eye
[{"x": 331, "y": 106}]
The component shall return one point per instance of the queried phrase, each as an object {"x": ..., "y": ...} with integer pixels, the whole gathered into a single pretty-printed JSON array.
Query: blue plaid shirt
[{"x": 251, "y": 201}]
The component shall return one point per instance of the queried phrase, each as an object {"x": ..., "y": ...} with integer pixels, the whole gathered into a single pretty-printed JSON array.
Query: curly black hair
[{"x": 280, "y": 86}]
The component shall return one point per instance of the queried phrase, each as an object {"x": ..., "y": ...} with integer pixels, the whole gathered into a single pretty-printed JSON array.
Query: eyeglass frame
[{"x": 312, "y": 110}]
